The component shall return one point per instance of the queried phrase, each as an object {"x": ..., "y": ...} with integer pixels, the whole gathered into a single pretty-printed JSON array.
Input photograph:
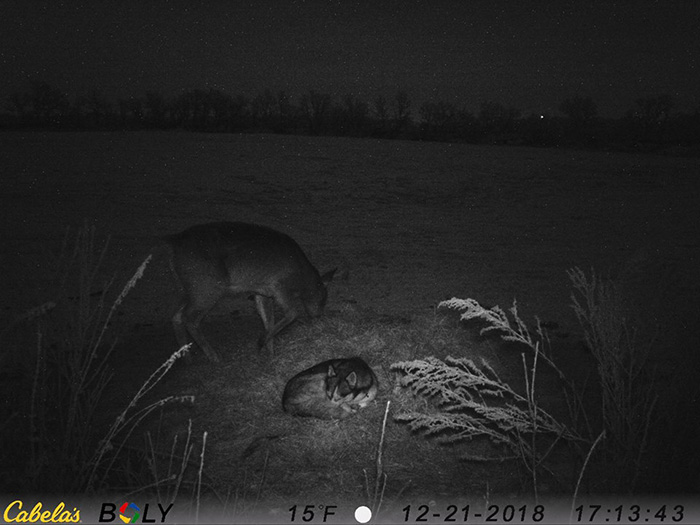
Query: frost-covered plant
[
  {"x": 472, "y": 400},
  {"x": 497, "y": 321}
]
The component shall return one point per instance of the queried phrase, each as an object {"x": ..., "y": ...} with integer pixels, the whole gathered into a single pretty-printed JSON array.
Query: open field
[
  {"x": 407, "y": 224},
  {"x": 413, "y": 222}
]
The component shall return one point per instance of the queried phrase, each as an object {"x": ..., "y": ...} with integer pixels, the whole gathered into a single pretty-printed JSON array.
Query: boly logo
[
  {"x": 132, "y": 513},
  {"x": 122, "y": 510}
]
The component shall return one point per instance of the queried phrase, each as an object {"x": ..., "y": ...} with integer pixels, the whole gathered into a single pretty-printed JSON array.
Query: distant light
[{"x": 541, "y": 116}]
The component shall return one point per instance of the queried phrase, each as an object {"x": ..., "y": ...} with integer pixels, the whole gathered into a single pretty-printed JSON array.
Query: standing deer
[{"x": 214, "y": 260}]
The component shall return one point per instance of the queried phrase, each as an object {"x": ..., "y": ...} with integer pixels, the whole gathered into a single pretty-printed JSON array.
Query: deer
[{"x": 214, "y": 260}]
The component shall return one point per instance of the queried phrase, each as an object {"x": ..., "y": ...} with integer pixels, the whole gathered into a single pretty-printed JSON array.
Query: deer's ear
[{"x": 328, "y": 276}]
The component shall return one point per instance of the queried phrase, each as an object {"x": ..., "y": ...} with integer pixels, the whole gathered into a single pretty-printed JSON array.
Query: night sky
[{"x": 530, "y": 55}]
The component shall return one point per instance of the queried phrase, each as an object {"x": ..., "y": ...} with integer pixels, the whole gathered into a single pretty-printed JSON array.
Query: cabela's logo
[{"x": 14, "y": 513}]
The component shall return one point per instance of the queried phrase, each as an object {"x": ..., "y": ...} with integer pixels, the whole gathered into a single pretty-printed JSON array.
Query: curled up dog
[{"x": 333, "y": 389}]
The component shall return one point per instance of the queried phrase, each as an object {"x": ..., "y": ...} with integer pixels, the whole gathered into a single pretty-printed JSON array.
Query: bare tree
[
  {"x": 653, "y": 110},
  {"x": 19, "y": 104},
  {"x": 381, "y": 109},
  {"x": 131, "y": 111},
  {"x": 316, "y": 107},
  {"x": 156, "y": 108},
  {"x": 98, "y": 109},
  {"x": 264, "y": 109},
  {"x": 354, "y": 114},
  {"x": 496, "y": 119},
  {"x": 402, "y": 107},
  {"x": 580, "y": 110},
  {"x": 49, "y": 103}
]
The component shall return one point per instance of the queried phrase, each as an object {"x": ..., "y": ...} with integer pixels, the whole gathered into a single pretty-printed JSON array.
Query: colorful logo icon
[{"x": 126, "y": 519}]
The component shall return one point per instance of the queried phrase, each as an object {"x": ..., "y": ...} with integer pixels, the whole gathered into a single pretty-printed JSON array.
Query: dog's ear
[{"x": 351, "y": 380}]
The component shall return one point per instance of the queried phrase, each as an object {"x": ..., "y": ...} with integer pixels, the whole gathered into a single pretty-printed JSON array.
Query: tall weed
[
  {"x": 65, "y": 372},
  {"x": 629, "y": 384}
]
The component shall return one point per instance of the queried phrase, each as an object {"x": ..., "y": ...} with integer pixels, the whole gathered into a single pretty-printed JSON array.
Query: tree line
[{"x": 650, "y": 123}]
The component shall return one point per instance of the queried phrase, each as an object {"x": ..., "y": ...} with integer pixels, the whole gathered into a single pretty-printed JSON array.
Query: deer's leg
[
  {"x": 186, "y": 321},
  {"x": 266, "y": 310}
]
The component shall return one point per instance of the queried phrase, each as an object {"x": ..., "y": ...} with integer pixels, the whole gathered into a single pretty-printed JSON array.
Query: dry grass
[
  {"x": 56, "y": 433},
  {"x": 63, "y": 371}
]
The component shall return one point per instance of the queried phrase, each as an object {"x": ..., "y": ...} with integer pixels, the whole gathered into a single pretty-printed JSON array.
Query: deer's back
[{"x": 240, "y": 257}]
